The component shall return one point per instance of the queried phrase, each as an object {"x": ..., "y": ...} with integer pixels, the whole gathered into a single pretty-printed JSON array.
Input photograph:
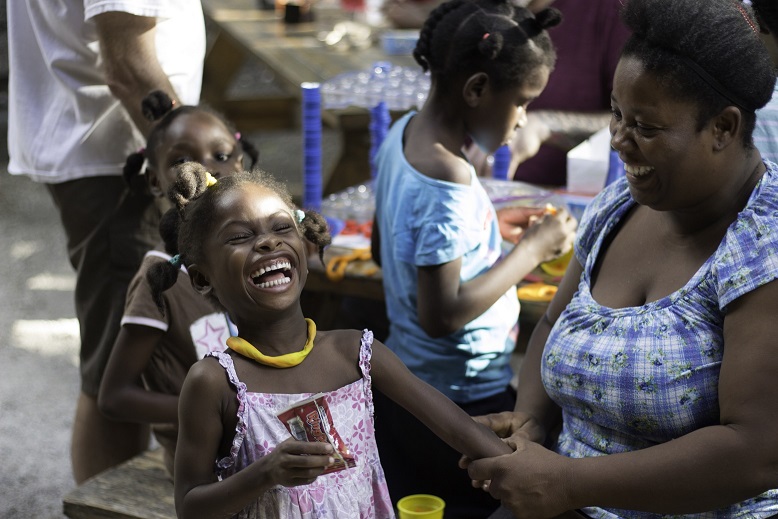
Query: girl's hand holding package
[{"x": 293, "y": 462}]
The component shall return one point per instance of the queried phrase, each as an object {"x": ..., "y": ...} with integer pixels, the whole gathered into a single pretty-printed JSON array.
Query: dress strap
[
  {"x": 365, "y": 354},
  {"x": 226, "y": 465}
]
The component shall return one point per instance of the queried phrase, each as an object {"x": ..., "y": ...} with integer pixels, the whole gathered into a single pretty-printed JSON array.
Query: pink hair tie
[
  {"x": 486, "y": 35},
  {"x": 237, "y": 136}
]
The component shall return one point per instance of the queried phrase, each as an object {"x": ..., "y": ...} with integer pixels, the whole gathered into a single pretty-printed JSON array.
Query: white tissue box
[{"x": 587, "y": 163}]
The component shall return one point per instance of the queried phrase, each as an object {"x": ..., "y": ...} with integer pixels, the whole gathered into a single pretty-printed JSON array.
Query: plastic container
[
  {"x": 421, "y": 506},
  {"x": 399, "y": 42}
]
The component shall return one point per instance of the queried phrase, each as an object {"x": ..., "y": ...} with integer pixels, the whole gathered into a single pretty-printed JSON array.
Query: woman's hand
[
  {"x": 508, "y": 424},
  {"x": 512, "y": 427},
  {"x": 293, "y": 463},
  {"x": 531, "y": 482}
]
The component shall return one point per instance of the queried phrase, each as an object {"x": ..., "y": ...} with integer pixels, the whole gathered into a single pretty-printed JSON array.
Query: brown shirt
[{"x": 193, "y": 326}]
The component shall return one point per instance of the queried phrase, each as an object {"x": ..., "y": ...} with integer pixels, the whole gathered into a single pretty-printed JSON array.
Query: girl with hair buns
[
  {"x": 244, "y": 245},
  {"x": 450, "y": 292},
  {"x": 159, "y": 340},
  {"x": 657, "y": 356}
]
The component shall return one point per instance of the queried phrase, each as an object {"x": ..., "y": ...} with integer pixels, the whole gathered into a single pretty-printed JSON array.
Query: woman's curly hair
[{"x": 720, "y": 37}]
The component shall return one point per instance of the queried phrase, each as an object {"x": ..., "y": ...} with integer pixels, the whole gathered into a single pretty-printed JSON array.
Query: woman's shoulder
[{"x": 601, "y": 213}]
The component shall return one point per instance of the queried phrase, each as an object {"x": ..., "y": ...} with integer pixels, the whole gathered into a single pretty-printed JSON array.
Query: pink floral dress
[{"x": 359, "y": 492}]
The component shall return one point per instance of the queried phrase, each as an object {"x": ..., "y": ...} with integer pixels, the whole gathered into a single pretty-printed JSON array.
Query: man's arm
[{"x": 132, "y": 70}]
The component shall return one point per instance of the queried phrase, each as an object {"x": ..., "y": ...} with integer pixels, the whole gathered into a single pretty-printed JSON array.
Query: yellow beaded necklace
[{"x": 288, "y": 360}]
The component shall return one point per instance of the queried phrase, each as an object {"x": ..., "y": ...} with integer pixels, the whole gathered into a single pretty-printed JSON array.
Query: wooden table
[{"x": 294, "y": 53}]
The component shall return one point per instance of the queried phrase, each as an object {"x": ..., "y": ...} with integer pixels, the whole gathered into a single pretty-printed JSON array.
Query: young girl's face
[
  {"x": 502, "y": 112},
  {"x": 199, "y": 137},
  {"x": 255, "y": 254}
]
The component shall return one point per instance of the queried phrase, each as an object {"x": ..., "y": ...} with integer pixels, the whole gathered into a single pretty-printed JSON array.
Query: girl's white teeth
[
  {"x": 274, "y": 283},
  {"x": 638, "y": 171},
  {"x": 274, "y": 266}
]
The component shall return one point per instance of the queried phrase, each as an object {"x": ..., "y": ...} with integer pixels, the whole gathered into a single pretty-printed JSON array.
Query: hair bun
[
  {"x": 156, "y": 104},
  {"x": 190, "y": 183},
  {"x": 548, "y": 18},
  {"x": 491, "y": 45},
  {"x": 132, "y": 166}
]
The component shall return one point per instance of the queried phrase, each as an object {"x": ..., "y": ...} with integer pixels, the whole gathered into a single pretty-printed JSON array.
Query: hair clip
[
  {"x": 485, "y": 36},
  {"x": 237, "y": 136},
  {"x": 210, "y": 180},
  {"x": 300, "y": 215},
  {"x": 175, "y": 261}
]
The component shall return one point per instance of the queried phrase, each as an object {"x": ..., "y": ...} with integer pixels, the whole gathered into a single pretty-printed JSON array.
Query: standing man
[{"x": 78, "y": 72}]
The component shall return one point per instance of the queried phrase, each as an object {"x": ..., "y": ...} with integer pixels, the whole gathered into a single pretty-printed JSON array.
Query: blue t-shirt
[
  {"x": 629, "y": 378},
  {"x": 426, "y": 222}
]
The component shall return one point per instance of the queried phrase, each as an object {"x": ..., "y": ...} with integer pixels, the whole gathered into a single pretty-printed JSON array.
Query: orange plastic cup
[{"x": 421, "y": 506}]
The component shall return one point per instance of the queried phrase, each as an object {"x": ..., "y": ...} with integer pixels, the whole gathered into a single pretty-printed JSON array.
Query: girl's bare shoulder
[
  {"x": 343, "y": 339},
  {"x": 439, "y": 163}
]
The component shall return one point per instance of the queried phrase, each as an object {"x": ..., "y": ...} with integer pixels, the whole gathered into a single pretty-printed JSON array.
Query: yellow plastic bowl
[
  {"x": 541, "y": 292},
  {"x": 421, "y": 506}
]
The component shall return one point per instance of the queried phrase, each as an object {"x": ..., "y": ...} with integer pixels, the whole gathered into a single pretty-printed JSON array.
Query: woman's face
[
  {"x": 668, "y": 162},
  {"x": 501, "y": 113},
  {"x": 255, "y": 257},
  {"x": 199, "y": 137}
]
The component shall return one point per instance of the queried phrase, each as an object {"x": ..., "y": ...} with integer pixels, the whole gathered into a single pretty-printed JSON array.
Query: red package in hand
[{"x": 310, "y": 421}]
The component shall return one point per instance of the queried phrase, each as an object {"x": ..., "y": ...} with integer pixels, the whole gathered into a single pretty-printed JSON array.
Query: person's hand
[
  {"x": 531, "y": 482},
  {"x": 552, "y": 234},
  {"x": 510, "y": 424},
  {"x": 514, "y": 220},
  {"x": 293, "y": 463},
  {"x": 507, "y": 425}
]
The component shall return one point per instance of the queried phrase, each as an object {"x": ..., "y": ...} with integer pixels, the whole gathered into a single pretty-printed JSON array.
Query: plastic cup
[{"x": 421, "y": 506}]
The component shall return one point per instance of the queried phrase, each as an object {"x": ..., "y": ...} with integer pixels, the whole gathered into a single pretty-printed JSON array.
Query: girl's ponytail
[
  {"x": 160, "y": 277},
  {"x": 315, "y": 230}
]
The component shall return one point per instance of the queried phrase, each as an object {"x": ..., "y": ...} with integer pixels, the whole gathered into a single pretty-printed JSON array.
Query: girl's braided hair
[
  {"x": 508, "y": 43},
  {"x": 159, "y": 106},
  {"x": 185, "y": 227},
  {"x": 718, "y": 36}
]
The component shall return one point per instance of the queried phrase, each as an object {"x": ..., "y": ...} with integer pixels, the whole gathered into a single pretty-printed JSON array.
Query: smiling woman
[{"x": 655, "y": 360}]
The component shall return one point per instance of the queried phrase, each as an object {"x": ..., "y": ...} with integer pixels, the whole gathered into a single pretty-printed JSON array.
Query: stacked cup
[
  {"x": 502, "y": 161},
  {"x": 379, "y": 126},
  {"x": 311, "y": 115}
]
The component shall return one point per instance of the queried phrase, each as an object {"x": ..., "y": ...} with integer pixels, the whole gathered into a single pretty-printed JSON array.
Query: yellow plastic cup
[{"x": 421, "y": 506}]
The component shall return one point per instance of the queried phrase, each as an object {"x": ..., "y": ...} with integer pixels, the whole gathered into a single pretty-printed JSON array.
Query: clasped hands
[{"x": 531, "y": 482}]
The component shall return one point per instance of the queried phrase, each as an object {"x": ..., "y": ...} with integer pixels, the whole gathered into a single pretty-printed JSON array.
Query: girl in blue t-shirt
[{"x": 450, "y": 292}]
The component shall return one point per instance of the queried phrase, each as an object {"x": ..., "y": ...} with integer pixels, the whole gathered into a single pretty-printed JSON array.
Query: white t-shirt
[{"x": 64, "y": 123}]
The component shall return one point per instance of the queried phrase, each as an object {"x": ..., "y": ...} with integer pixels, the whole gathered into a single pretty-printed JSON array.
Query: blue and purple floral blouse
[{"x": 629, "y": 378}]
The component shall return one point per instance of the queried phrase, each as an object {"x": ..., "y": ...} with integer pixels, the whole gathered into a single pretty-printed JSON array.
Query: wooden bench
[{"x": 137, "y": 489}]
